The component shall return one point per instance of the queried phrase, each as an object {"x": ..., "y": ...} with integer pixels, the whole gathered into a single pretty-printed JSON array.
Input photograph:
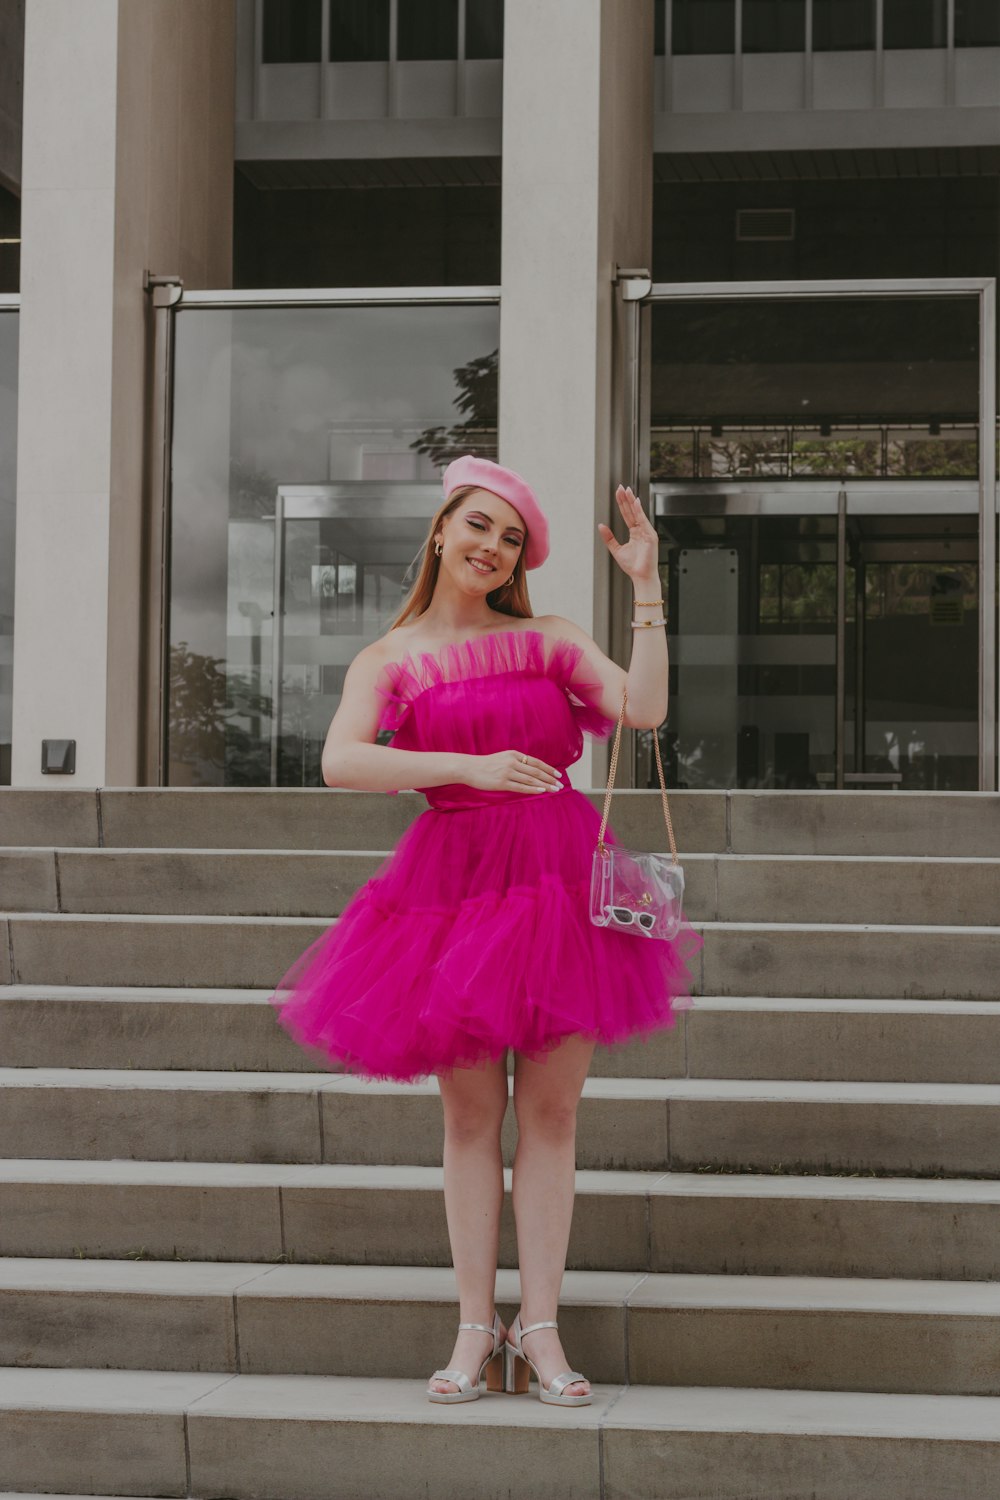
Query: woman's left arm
[{"x": 646, "y": 678}]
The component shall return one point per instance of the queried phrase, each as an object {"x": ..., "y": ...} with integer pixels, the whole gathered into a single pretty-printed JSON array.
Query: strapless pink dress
[{"x": 475, "y": 935}]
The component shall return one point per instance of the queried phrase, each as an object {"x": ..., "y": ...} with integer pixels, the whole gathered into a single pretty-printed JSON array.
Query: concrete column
[
  {"x": 127, "y": 167},
  {"x": 577, "y": 199}
]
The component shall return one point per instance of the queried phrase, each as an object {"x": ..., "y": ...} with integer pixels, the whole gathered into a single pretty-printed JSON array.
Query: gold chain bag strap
[{"x": 632, "y": 890}]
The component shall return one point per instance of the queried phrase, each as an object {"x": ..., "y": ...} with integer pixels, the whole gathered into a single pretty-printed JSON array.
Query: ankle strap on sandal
[
  {"x": 532, "y": 1326},
  {"x": 479, "y": 1327}
]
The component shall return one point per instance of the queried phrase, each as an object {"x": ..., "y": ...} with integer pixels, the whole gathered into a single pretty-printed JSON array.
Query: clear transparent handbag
[{"x": 632, "y": 890}]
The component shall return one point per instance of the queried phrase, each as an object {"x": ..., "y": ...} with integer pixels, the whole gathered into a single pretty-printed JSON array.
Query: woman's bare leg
[
  {"x": 546, "y": 1095},
  {"x": 474, "y": 1101}
]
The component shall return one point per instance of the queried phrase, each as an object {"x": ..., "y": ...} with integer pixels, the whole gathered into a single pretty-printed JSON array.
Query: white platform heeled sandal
[
  {"x": 492, "y": 1364},
  {"x": 517, "y": 1365}
]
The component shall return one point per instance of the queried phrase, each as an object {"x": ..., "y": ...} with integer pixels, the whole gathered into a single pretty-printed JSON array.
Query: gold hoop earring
[{"x": 438, "y": 549}]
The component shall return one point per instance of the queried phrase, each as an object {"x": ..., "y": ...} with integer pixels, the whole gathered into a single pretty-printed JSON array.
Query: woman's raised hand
[
  {"x": 511, "y": 771},
  {"x": 638, "y": 556}
]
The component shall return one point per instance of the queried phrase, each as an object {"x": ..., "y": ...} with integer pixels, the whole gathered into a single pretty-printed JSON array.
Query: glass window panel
[
  {"x": 751, "y": 606},
  {"x": 352, "y": 415},
  {"x": 704, "y": 26},
  {"x": 933, "y": 452},
  {"x": 914, "y": 592},
  {"x": 483, "y": 28},
  {"x": 359, "y": 30},
  {"x": 660, "y": 28},
  {"x": 292, "y": 31},
  {"x": 915, "y": 23},
  {"x": 843, "y": 25},
  {"x": 822, "y": 370},
  {"x": 977, "y": 23},
  {"x": 774, "y": 25},
  {"x": 8, "y": 491},
  {"x": 672, "y": 454},
  {"x": 427, "y": 29}
]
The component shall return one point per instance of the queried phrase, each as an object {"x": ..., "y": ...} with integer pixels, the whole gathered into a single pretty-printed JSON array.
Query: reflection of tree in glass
[
  {"x": 212, "y": 719},
  {"x": 478, "y": 400},
  {"x": 839, "y": 457},
  {"x": 251, "y": 490},
  {"x": 907, "y": 588},
  {"x": 781, "y": 453},
  {"x": 673, "y": 459},
  {"x": 792, "y": 593},
  {"x": 937, "y": 459}
]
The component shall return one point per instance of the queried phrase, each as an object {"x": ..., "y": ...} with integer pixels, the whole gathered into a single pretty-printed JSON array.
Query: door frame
[{"x": 637, "y": 296}]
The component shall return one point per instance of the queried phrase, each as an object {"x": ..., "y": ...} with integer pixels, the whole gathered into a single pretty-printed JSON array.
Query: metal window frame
[
  {"x": 169, "y": 300},
  {"x": 644, "y": 295}
]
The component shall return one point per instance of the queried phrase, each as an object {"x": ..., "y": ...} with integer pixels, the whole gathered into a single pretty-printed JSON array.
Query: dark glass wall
[
  {"x": 843, "y": 25},
  {"x": 915, "y": 23},
  {"x": 774, "y": 25},
  {"x": 427, "y": 29},
  {"x": 977, "y": 23},
  {"x": 708, "y": 26},
  {"x": 400, "y": 236},
  {"x": 291, "y": 31},
  {"x": 704, "y": 26},
  {"x": 359, "y": 30},
  {"x": 929, "y": 226}
]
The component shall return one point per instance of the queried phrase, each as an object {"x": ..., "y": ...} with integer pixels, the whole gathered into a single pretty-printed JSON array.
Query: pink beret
[{"x": 486, "y": 475}]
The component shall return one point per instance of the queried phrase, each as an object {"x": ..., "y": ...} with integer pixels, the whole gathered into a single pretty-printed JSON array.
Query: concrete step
[
  {"x": 817, "y": 960},
  {"x": 304, "y": 883},
  {"x": 633, "y": 1124},
  {"x": 705, "y": 1223},
  {"x": 940, "y": 1041},
  {"x": 809, "y": 1333},
  {"x": 740, "y": 822},
  {"x": 244, "y": 1436}
]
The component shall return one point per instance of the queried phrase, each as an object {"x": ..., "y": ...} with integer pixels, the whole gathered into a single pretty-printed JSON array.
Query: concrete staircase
[{"x": 224, "y": 1266}]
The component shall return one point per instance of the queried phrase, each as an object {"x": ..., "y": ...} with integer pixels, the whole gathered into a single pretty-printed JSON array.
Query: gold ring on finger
[{"x": 524, "y": 760}]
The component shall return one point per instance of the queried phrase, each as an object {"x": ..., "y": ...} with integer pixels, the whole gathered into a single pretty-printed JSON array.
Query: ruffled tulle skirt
[{"x": 473, "y": 937}]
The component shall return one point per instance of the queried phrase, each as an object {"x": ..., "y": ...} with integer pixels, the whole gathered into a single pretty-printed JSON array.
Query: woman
[{"x": 474, "y": 937}]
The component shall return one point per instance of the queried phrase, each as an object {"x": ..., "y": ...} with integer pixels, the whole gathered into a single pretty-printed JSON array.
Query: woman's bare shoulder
[
  {"x": 370, "y": 660},
  {"x": 557, "y": 627}
]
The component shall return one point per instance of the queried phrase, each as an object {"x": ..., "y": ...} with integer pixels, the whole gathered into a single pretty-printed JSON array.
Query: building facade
[{"x": 270, "y": 264}]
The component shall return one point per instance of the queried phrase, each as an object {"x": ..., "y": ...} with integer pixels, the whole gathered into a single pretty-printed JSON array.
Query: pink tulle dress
[{"x": 475, "y": 935}]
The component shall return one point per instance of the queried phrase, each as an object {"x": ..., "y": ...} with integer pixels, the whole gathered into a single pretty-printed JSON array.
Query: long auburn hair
[{"x": 511, "y": 598}]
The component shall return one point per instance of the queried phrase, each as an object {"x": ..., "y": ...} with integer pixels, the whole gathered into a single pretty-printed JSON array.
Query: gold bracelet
[
  {"x": 647, "y": 603},
  {"x": 642, "y": 624}
]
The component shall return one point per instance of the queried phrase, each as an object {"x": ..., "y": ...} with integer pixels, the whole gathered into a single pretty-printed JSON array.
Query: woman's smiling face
[{"x": 482, "y": 540}]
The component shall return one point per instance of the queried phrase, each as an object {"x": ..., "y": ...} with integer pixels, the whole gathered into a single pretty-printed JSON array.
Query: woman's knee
[
  {"x": 547, "y": 1116},
  {"x": 474, "y": 1108},
  {"x": 472, "y": 1123}
]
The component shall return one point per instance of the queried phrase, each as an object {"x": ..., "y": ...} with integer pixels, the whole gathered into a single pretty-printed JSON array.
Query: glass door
[
  {"x": 343, "y": 556},
  {"x": 820, "y": 640}
]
